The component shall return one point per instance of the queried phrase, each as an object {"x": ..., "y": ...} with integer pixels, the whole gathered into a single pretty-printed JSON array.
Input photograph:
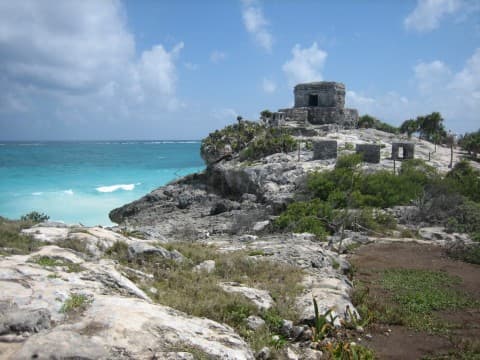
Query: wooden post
[
  {"x": 451, "y": 156},
  {"x": 394, "y": 167},
  {"x": 298, "y": 148}
]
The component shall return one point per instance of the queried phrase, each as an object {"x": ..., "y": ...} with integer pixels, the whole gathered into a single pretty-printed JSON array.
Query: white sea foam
[
  {"x": 37, "y": 193},
  {"x": 68, "y": 192},
  {"x": 171, "y": 142},
  {"x": 112, "y": 188}
]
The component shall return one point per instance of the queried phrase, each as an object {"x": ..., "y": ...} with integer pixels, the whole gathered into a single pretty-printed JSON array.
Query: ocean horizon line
[{"x": 97, "y": 141}]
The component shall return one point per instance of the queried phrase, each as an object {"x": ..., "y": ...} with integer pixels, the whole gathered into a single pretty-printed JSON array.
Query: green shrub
[
  {"x": 367, "y": 121},
  {"x": 75, "y": 304},
  {"x": 380, "y": 189},
  {"x": 237, "y": 136},
  {"x": 469, "y": 253},
  {"x": 271, "y": 141},
  {"x": 465, "y": 180},
  {"x": 311, "y": 217},
  {"x": 35, "y": 217},
  {"x": 376, "y": 220},
  {"x": 466, "y": 218}
]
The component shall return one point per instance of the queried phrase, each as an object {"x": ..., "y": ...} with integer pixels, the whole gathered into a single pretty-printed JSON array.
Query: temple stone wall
[
  {"x": 328, "y": 94},
  {"x": 408, "y": 150},
  {"x": 370, "y": 152},
  {"x": 324, "y": 149},
  {"x": 319, "y": 103}
]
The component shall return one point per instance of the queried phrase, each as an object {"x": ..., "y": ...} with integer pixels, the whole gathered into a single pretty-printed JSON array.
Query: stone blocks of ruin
[
  {"x": 324, "y": 149},
  {"x": 370, "y": 152},
  {"x": 408, "y": 150}
]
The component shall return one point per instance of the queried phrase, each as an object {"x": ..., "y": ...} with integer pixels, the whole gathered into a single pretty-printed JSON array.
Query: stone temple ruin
[{"x": 318, "y": 103}]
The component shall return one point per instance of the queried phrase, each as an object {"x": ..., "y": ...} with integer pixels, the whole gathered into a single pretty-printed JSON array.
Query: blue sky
[{"x": 138, "y": 69}]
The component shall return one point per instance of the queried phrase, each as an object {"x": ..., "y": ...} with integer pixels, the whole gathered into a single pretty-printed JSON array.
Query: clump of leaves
[
  {"x": 345, "y": 350},
  {"x": 324, "y": 324},
  {"x": 235, "y": 136},
  {"x": 75, "y": 304},
  {"x": 35, "y": 217},
  {"x": 47, "y": 262},
  {"x": 270, "y": 141}
]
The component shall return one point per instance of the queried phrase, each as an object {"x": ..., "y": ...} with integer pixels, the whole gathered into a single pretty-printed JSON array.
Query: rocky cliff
[{"x": 96, "y": 293}]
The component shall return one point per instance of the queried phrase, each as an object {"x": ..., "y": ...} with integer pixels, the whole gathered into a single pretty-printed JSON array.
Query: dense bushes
[
  {"x": 269, "y": 141},
  {"x": 452, "y": 200},
  {"x": 367, "y": 121},
  {"x": 236, "y": 136},
  {"x": 347, "y": 186},
  {"x": 430, "y": 127},
  {"x": 251, "y": 140},
  {"x": 471, "y": 142},
  {"x": 465, "y": 180}
]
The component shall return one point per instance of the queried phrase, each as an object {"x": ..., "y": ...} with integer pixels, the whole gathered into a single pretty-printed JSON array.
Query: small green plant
[
  {"x": 323, "y": 325},
  {"x": 353, "y": 321},
  {"x": 345, "y": 350},
  {"x": 75, "y": 304},
  {"x": 256, "y": 252},
  {"x": 132, "y": 233},
  {"x": 412, "y": 297},
  {"x": 47, "y": 262},
  {"x": 35, "y": 217},
  {"x": 335, "y": 264}
]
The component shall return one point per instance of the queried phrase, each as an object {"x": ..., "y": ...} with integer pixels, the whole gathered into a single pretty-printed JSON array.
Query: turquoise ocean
[{"x": 80, "y": 182}]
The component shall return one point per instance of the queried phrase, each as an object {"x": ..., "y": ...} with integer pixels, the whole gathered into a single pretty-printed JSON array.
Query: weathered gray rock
[
  {"x": 261, "y": 298},
  {"x": 287, "y": 328},
  {"x": 140, "y": 248},
  {"x": 114, "y": 323},
  {"x": 438, "y": 234},
  {"x": 224, "y": 206},
  {"x": 260, "y": 226},
  {"x": 264, "y": 354},
  {"x": 14, "y": 320},
  {"x": 61, "y": 345},
  {"x": 207, "y": 266},
  {"x": 255, "y": 322}
]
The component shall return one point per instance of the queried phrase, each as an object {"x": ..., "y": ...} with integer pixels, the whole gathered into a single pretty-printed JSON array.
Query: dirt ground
[{"x": 399, "y": 342}]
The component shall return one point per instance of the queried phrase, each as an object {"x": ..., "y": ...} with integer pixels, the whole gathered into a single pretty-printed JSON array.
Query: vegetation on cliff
[
  {"x": 369, "y": 122},
  {"x": 330, "y": 196},
  {"x": 252, "y": 140},
  {"x": 471, "y": 142}
]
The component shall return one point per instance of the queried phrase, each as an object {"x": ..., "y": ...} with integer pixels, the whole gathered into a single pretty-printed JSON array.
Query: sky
[{"x": 155, "y": 69}]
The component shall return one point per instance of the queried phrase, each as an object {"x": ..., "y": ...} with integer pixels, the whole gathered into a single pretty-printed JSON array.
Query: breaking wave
[{"x": 112, "y": 188}]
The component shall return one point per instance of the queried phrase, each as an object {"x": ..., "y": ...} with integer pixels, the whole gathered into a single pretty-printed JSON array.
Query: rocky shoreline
[{"x": 230, "y": 207}]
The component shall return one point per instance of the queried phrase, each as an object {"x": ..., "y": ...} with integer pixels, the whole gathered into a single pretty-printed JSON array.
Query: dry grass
[
  {"x": 11, "y": 241},
  {"x": 199, "y": 293}
]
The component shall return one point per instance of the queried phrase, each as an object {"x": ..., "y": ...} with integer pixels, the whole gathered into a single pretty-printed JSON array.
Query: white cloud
[
  {"x": 79, "y": 58},
  {"x": 305, "y": 65},
  {"x": 256, "y": 24},
  {"x": 269, "y": 86},
  {"x": 217, "y": 56},
  {"x": 428, "y": 13},
  {"x": 430, "y": 76},
  {"x": 456, "y": 95}
]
